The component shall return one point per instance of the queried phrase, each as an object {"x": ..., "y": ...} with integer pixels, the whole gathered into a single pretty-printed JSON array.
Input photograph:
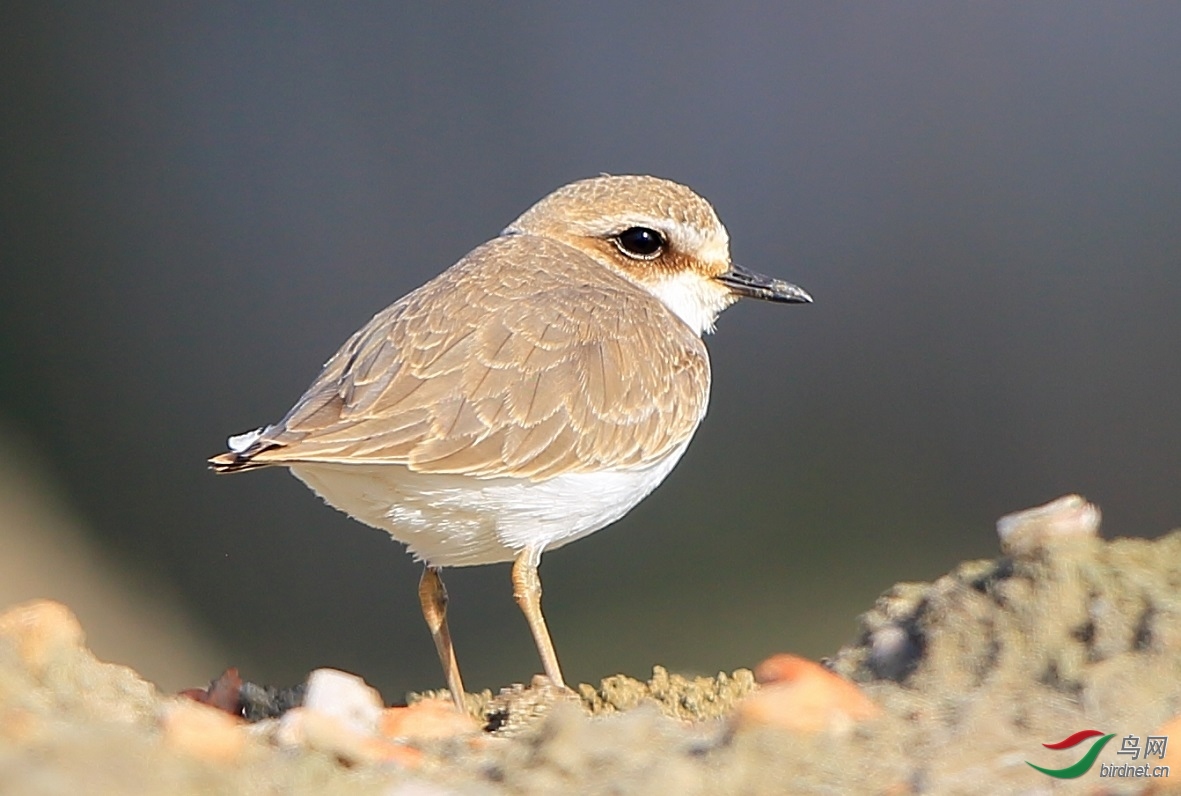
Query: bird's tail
[{"x": 240, "y": 456}]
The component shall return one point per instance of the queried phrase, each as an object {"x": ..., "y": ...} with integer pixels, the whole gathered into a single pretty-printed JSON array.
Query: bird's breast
[{"x": 459, "y": 520}]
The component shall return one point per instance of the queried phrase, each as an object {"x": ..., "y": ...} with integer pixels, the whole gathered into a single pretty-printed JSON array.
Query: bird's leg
[
  {"x": 433, "y": 596},
  {"x": 527, "y": 591}
]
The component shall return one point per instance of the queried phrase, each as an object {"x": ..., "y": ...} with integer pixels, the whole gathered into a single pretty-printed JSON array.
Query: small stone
[
  {"x": 426, "y": 720},
  {"x": 310, "y": 729},
  {"x": 224, "y": 693},
  {"x": 202, "y": 731},
  {"x": 893, "y": 652},
  {"x": 345, "y": 697},
  {"x": 269, "y": 702},
  {"x": 1069, "y": 517},
  {"x": 801, "y": 696},
  {"x": 42, "y": 631},
  {"x": 339, "y": 716}
]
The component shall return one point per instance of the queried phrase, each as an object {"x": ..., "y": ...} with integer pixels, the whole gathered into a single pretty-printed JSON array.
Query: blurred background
[{"x": 202, "y": 201}]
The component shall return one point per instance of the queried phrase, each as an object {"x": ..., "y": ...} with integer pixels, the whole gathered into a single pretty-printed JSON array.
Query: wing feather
[{"x": 526, "y": 358}]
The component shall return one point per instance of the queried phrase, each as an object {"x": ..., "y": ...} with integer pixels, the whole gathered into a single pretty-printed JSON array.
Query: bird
[{"x": 529, "y": 395}]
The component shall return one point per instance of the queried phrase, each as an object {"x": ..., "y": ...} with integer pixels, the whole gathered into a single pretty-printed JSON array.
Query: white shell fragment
[
  {"x": 1067, "y": 517},
  {"x": 345, "y": 696},
  {"x": 338, "y": 716}
]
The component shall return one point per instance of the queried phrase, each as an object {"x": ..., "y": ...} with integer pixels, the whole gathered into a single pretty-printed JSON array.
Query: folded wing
[{"x": 550, "y": 365}]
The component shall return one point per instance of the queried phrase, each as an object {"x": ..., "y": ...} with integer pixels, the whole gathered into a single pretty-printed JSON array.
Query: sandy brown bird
[{"x": 531, "y": 394}]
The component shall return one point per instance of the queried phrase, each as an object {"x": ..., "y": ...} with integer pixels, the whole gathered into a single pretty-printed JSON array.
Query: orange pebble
[
  {"x": 425, "y": 720},
  {"x": 785, "y": 668},
  {"x": 203, "y": 732},
  {"x": 379, "y": 750},
  {"x": 312, "y": 729},
  {"x": 43, "y": 630},
  {"x": 802, "y": 696}
]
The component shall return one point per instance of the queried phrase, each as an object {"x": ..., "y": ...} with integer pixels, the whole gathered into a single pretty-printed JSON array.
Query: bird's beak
[{"x": 751, "y": 285}]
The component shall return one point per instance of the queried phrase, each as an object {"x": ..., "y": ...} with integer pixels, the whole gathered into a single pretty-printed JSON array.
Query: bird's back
[{"x": 526, "y": 359}]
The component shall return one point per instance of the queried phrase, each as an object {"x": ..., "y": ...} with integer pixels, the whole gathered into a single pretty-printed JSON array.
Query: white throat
[{"x": 694, "y": 299}]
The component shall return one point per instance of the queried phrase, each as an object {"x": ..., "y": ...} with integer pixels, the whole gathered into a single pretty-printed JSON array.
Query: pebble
[
  {"x": 42, "y": 631},
  {"x": 203, "y": 732},
  {"x": 427, "y": 720},
  {"x": 1069, "y": 517},
  {"x": 801, "y": 696},
  {"x": 312, "y": 729},
  {"x": 340, "y": 716},
  {"x": 344, "y": 696}
]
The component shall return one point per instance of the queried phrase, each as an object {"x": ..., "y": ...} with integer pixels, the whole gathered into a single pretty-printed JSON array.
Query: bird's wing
[{"x": 503, "y": 371}]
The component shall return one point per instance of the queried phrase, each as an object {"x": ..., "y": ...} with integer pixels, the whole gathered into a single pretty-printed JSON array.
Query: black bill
[{"x": 751, "y": 285}]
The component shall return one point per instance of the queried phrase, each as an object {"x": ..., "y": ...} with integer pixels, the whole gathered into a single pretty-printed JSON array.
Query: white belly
[{"x": 457, "y": 520}]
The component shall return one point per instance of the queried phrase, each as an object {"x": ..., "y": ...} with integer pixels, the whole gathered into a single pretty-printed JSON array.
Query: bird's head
[{"x": 659, "y": 235}]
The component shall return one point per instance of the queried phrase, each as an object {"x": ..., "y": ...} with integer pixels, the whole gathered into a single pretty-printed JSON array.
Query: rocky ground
[{"x": 952, "y": 688}]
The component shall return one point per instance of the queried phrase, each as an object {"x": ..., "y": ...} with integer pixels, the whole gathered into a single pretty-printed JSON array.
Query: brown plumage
[{"x": 552, "y": 365}]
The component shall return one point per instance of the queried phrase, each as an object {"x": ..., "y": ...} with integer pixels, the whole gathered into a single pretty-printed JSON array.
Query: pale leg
[
  {"x": 527, "y": 591},
  {"x": 433, "y": 596}
]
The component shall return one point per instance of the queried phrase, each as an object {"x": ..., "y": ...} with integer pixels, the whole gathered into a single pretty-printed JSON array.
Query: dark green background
[{"x": 201, "y": 201}]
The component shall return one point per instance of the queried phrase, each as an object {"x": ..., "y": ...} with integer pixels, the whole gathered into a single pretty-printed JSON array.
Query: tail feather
[
  {"x": 241, "y": 453},
  {"x": 232, "y": 462}
]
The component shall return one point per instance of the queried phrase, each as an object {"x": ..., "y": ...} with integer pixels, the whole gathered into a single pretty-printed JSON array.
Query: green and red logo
[{"x": 1087, "y": 760}]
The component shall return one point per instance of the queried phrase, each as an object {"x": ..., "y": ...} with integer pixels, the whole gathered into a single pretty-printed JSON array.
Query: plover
[{"x": 531, "y": 394}]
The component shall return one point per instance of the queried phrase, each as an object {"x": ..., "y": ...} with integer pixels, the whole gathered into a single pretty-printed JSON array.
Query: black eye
[{"x": 640, "y": 242}]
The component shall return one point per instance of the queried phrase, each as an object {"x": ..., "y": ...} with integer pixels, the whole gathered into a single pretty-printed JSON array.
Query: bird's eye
[{"x": 640, "y": 242}]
